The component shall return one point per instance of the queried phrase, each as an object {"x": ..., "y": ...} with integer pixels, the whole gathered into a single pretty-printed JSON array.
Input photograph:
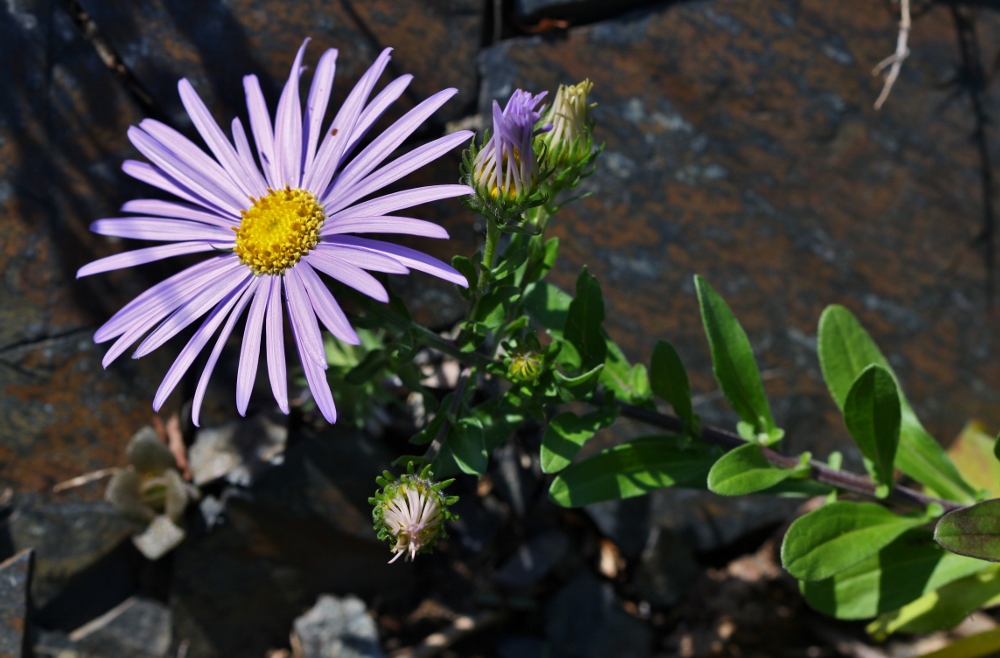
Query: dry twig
[{"x": 895, "y": 60}]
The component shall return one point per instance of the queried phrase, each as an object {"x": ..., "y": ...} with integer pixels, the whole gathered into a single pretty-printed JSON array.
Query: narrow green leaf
[
  {"x": 467, "y": 443},
  {"x": 903, "y": 571},
  {"x": 871, "y": 413},
  {"x": 564, "y": 436},
  {"x": 745, "y": 470},
  {"x": 669, "y": 382},
  {"x": 943, "y": 608},
  {"x": 845, "y": 349},
  {"x": 584, "y": 321},
  {"x": 732, "y": 360},
  {"x": 633, "y": 469},
  {"x": 837, "y": 536},
  {"x": 972, "y": 531},
  {"x": 510, "y": 263},
  {"x": 370, "y": 366},
  {"x": 580, "y": 386}
]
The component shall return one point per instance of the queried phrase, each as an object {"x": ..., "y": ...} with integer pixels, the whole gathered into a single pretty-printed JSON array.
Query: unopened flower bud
[
  {"x": 410, "y": 512},
  {"x": 569, "y": 146},
  {"x": 525, "y": 366},
  {"x": 505, "y": 170}
]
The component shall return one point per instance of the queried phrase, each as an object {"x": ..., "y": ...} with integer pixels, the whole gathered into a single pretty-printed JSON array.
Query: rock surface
[
  {"x": 337, "y": 628},
  {"x": 15, "y": 578}
]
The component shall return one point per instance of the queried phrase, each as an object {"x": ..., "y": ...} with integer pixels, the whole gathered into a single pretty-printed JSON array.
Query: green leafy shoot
[
  {"x": 871, "y": 413},
  {"x": 734, "y": 366}
]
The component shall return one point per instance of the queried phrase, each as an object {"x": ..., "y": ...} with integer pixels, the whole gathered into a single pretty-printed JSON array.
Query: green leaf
[
  {"x": 627, "y": 381},
  {"x": 943, "y": 608},
  {"x": 974, "y": 457},
  {"x": 669, "y": 382},
  {"x": 633, "y": 469},
  {"x": 903, "y": 571},
  {"x": 580, "y": 386},
  {"x": 972, "y": 531},
  {"x": 979, "y": 645},
  {"x": 492, "y": 308},
  {"x": 564, "y": 436},
  {"x": 837, "y": 536},
  {"x": 370, "y": 366},
  {"x": 746, "y": 470},
  {"x": 871, "y": 413},
  {"x": 466, "y": 440},
  {"x": 466, "y": 268},
  {"x": 732, "y": 360},
  {"x": 584, "y": 320},
  {"x": 549, "y": 305},
  {"x": 510, "y": 263},
  {"x": 845, "y": 349}
]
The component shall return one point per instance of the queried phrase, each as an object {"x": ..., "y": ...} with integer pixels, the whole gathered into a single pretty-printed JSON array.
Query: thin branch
[
  {"x": 895, "y": 60},
  {"x": 435, "y": 447},
  {"x": 817, "y": 471}
]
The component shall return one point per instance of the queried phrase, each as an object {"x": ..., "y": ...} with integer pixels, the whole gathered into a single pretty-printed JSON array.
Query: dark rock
[
  {"x": 303, "y": 529},
  {"x": 533, "y": 560},
  {"x": 585, "y": 619},
  {"x": 68, "y": 541},
  {"x": 138, "y": 628},
  {"x": 522, "y": 646},
  {"x": 573, "y": 11},
  {"x": 666, "y": 570},
  {"x": 15, "y": 579},
  {"x": 518, "y": 477},
  {"x": 625, "y": 522},
  {"x": 63, "y": 116},
  {"x": 337, "y": 628},
  {"x": 741, "y": 144},
  {"x": 708, "y": 522}
]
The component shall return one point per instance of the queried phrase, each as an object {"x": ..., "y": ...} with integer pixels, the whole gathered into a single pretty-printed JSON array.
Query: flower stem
[{"x": 489, "y": 255}]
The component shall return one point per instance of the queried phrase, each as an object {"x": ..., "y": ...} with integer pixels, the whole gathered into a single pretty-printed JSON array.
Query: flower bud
[
  {"x": 569, "y": 145},
  {"x": 505, "y": 170},
  {"x": 525, "y": 366},
  {"x": 410, "y": 512}
]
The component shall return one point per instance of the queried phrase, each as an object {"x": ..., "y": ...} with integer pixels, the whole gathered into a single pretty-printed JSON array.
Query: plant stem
[
  {"x": 435, "y": 447},
  {"x": 817, "y": 471},
  {"x": 489, "y": 255}
]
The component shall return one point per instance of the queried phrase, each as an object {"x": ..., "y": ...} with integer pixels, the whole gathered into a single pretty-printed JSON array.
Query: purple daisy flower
[
  {"x": 506, "y": 167},
  {"x": 276, "y": 229}
]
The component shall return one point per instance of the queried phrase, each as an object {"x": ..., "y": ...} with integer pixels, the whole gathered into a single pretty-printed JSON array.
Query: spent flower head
[
  {"x": 410, "y": 512},
  {"x": 505, "y": 171},
  {"x": 569, "y": 146},
  {"x": 271, "y": 224}
]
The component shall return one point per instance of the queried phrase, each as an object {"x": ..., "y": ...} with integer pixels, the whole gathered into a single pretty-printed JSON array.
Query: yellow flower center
[{"x": 278, "y": 229}]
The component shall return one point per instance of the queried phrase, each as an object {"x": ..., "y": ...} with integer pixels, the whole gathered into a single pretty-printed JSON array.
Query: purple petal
[
  {"x": 288, "y": 127},
  {"x": 168, "y": 294},
  {"x": 141, "y": 257},
  {"x": 326, "y": 307},
  {"x": 319, "y": 98},
  {"x": 213, "y": 358},
  {"x": 195, "y": 346},
  {"x": 276, "y": 345},
  {"x": 341, "y": 133},
  {"x": 260, "y": 124},
  {"x": 178, "y": 210},
  {"x": 217, "y": 142},
  {"x": 383, "y": 145},
  {"x": 383, "y": 224},
  {"x": 250, "y": 351},
  {"x": 159, "y": 228},
  {"x": 348, "y": 274},
  {"x": 409, "y": 257},
  {"x": 318, "y": 384},
  {"x": 190, "y": 311},
  {"x": 399, "y": 200},
  {"x": 342, "y": 196},
  {"x": 246, "y": 157},
  {"x": 302, "y": 316},
  {"x": 365, "y": 258},
  {"x": 374, "y": 111},
  {"x": 177, "y": 167},
  {"x": 152, "y": 175}
]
